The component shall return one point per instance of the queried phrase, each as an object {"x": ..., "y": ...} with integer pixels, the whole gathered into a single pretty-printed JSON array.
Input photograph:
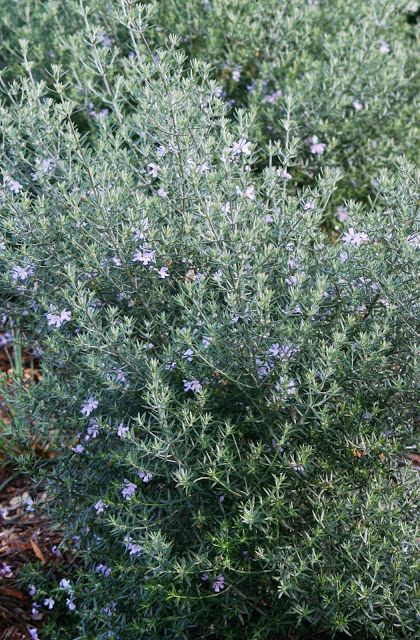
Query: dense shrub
[
  {"x": 232, "y": 393},
  {"x": 349, "y": 65}
]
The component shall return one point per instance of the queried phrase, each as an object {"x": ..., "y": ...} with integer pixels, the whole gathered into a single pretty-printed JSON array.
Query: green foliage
[{"x": 232, "y": 391}]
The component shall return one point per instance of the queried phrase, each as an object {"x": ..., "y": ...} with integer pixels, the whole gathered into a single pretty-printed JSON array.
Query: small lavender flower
[
  {"x": 92, "y": 429},
  {"x": 153, "y": 169},
  {"x": 236, "y": 74},
  {"x": 145, "y": 256},
  {"x": 162, "y": 193},
  {"x": 32, "y": 590},
  {"x": 33, "y": 633},
  {"x": 79, "y": 448},
  {"x": 14, "y": 185},
  {"x": 21, "y": 273},
  {"x": 109, "y": 609},
  {"x": 272, "y": 98},
  {"x": 291, "y": 387},
  {"x": 342, "y": 214},
  {"x": 45, "y": 165},
  {"x": 248, "y": 193},
  {"x": 145, "y": 477},
  {"x": 264, "y": 368},
  {"x": 122, "y": 430},
  {"x": 414, "y": 240},
  {"x": 89, "y": 406},
  {"x": 116, "y": 261},
  {"x": 192, "y": 385},
  {"x": 6, "y": 339},
  {"x": 49, "y": 603},
  {"x": 283, "y": 174},
  {"x": 188, "y": 355},
  {"x": 55, "y": 320},
  {"x": 104, "y": 570},
  {"x": 357, "y": 105},
  {"x": 316, "y": 147},
  {"x": 205, "y": 576},
  {"x": 219, "y": 583},
  {"x": 163, "y": 272},
  {"x": 100, "y": 506},
  {"x": 308, "y": 206},
  {"x": 70, "y": 604},
  {"x": 120, "y": 375},
  {"x": 242, "y": 146},
  {"x": 355, "y": 238},
  {"x": 6, "y": 571},
  {"x": 29, "y": 505},
  {"x": 282, "y": 351},
  {"x": 133, "y": 548},
  {"x": 105, "y": 40},
  {"x": 128, "y": 490},
  {"x": 64, "y": 584},
  {"x": 384, "y": 47}
]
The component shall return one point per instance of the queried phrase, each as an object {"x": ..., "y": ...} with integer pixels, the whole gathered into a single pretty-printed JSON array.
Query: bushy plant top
[{"x": 350, "y": 66}]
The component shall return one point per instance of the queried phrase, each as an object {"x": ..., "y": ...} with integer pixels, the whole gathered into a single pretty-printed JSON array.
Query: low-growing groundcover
[{"x": 231, "y": 391}]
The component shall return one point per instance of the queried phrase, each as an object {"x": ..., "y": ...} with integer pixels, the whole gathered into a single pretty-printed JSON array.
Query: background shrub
[
  {"x": 232, "y": 393},
  {"x": 351, "y": 68}
]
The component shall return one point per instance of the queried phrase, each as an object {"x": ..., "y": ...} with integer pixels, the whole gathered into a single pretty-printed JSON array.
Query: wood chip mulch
[{"x": 24, "y": 535}]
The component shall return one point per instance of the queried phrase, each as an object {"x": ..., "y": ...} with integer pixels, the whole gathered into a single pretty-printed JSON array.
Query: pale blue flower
[
  {"x": 70, "y": 604},
  {"x": 163, "y": 272},
  {"x": 78, "y": 449},
  {"x": 316, "y": 147},
  {"x": 14, "y": 185},
  {"x": 122, "y": 430},
  {"x": 153, "y": 169},
  {"x": 188, "y": 355},
  {"x": 65, "y": 584},
  {"x": 128, "y": 490},
  {"x": 92, "y": 429},
  {"x": 145, "y": 476},
  {"x": 21, "y": 273},
  {"x": 145, "y": 256},
  {"x": 100, "y": 506},
  {"x": 192, "y": 385},
  {"x": 104, "y": 570},
  {"x": 56, "y": 320},
  {"x": 242, "y": 146},
  {"x": 355, "y": 238},
  {"x": 219, "y": 583},
  {"x": 49, "y": 603},
  {"x": 89, "y": 406}
]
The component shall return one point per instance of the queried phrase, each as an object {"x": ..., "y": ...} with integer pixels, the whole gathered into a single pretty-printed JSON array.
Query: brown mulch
[{"x": 24, "y": 537}]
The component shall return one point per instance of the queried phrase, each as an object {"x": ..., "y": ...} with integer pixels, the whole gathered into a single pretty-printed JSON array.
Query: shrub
[
  {"x": 349, "y": 66},
  {"x": 231, "y": 392}
]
